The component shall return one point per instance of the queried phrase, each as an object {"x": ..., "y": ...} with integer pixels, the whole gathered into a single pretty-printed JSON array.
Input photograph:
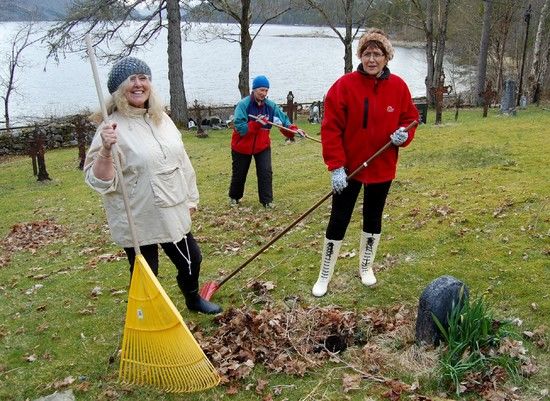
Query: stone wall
[{"x": 62, "y": 132}]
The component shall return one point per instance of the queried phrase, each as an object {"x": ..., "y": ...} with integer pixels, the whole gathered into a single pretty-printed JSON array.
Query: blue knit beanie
[
  {"x": 123, "y": 69},
  {"x": 260, "y": 82}
]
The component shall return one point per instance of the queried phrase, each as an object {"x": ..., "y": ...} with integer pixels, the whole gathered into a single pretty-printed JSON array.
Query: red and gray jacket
[
  {"x": 361, "y": 112},
  {"x": 250, "y": 137}
]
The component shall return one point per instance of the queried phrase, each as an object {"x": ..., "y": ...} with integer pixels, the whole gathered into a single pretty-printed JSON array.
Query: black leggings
[
  {"x": 374, "y": 200},
  {"x": 188, "y": 264}
]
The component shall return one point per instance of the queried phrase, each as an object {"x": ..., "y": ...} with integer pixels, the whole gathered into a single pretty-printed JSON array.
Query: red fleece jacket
[{"x": 361, "y": 112}]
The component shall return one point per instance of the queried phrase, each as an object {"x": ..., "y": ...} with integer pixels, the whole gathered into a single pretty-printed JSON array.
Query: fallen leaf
[
  {"x": 232, "y": 390},
  {"x": 33, "y": 289},
  {"x": 260, "y": 386},
  {"x": 351, "y": 382},
  {"x": 63, "y": 383},
  {"x": 96, "y": 291}
]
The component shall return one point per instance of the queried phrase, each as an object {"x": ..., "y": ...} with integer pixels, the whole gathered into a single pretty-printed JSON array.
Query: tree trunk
[
  {"x": 244, "y": 74},
  {"x": 81, "y": 140},
  {"x": 527, "y": 17},
  {"x": 484, "y": 47},
  {"x": 348, "y": 56},
  {"x": 503, "y": 29},
  {"x": 40, "y": 158},
  {"x": 9, "y": 88},
  {"x": 178, "y": 101},
  {"x": 428, "y": 31},
  {"x": 535, "y": 76},
  {"x": 246, "y": 45},
  {"x": 440, "y": 46},
  {"x": 348, "y": 39},
  {"x": 6, "y": 112}
]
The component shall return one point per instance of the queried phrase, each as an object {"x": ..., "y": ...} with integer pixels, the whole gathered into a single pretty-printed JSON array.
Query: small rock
[{"x": 59, "y": 396}]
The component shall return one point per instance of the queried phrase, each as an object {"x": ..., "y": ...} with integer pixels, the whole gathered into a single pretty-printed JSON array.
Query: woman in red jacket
[{"x": 363, "y": 111}]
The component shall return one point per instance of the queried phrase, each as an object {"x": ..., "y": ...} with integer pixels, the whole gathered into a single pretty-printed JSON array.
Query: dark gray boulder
[{"x": 438, "y": 299}]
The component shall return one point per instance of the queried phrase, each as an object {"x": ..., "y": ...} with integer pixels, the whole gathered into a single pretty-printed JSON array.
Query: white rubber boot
[
  {"x": 367, "y": 253},
  {"x": 331, "y": 250}
]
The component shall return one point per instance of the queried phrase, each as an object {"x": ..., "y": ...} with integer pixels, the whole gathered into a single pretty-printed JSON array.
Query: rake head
[{"x": 158, "y": 350}]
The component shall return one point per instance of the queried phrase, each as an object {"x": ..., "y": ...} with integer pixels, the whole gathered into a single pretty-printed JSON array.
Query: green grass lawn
[{"x": 471, "y": 200}]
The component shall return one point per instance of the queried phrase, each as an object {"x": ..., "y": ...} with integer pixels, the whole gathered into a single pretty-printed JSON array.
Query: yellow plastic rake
[{"x": 158, "y": 349}]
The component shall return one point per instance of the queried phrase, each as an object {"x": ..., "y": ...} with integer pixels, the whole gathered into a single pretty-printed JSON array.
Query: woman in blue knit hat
[
  {"x": 251, "y": 139},
  {"x": 157, "y": 173}
]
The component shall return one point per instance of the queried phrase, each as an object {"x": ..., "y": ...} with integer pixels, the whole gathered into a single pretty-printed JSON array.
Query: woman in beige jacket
[{"x": 158, "y": 176}]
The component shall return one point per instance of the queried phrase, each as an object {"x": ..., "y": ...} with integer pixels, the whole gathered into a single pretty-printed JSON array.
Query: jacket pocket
[{"x": 169, "y": 187}]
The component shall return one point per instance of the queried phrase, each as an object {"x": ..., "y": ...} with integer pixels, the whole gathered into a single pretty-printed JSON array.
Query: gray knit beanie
[{"x": 123, "y": 69}]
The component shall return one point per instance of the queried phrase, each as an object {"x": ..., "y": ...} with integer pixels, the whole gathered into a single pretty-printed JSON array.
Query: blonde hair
[{"x": 118, "y": 102}]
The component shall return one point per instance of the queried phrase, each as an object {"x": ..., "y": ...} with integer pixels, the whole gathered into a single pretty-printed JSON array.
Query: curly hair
[{"x": 118, "y": 102}]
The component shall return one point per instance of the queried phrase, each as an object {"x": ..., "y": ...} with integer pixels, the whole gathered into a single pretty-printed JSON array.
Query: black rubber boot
[{"x": 195, "y": 303}]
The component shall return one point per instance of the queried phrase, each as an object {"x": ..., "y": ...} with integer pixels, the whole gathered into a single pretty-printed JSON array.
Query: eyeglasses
[
  {"x": 138, "y": 78},
  {"x": 374, "y": 55}
]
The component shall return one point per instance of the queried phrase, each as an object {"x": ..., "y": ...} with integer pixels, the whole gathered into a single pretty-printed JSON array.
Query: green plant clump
[{"x": 473, "y": 338}]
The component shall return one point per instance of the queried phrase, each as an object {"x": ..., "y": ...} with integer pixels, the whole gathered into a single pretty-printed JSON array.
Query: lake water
[{"x": 304, "y": 60}]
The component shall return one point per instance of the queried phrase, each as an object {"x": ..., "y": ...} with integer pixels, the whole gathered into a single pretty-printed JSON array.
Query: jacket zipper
[
  {"x": 365, "y": 112},
  {"x": 154, "y": 136}
]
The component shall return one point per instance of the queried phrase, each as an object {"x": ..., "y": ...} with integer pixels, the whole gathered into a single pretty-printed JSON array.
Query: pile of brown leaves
[
  {"x": 290, "y": 341},
  {"x": 29, "y": 237},
  {"x": 296, "y": 339}
]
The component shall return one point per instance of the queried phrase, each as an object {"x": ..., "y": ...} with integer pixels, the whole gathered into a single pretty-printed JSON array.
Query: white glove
[
  {"x": 399, "y": 137},
  {"x": 339, "y": 181}
]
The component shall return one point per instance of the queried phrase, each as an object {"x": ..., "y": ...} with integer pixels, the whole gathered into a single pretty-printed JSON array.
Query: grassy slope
[{"x": 471, "y": 200}]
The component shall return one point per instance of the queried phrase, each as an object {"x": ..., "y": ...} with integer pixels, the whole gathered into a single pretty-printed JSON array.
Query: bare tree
[
  {"x": 506, "y": 13},
  {"x": 354, "y": 15},
  {"x": 535, "y": 78},
  {"x": 178, "y": 100},
  {"x": 245, "y": 13},
  {"x": 108, "y": 23},
  {"x": 484, "y": 47},
  {"x": 433, "y": 16},
  {"x": 22, "y": 39}
]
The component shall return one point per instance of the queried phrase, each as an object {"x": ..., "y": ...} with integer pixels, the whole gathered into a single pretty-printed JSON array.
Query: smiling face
[
  {"x": 373, "y": 60},
  {"x": 260, "y": 94},
  {"x": 137, "y": 90}
]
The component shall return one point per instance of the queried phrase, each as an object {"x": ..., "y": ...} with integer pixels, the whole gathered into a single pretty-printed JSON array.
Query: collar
[
  {"x": 384, "y": 74},
  {"x": 136, "y": 111}
]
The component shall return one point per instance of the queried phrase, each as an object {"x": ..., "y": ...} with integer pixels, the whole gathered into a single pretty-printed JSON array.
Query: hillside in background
[{"x": 27, "y": 10}]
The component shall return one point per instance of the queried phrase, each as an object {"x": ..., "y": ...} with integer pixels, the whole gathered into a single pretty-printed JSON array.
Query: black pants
[
  {"x": 240, "y": 166},
  {"x": 185, "y": 255},
  {"x": 374, "y": 200}
]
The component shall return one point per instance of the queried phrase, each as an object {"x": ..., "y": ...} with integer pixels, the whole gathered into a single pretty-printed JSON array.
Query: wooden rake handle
[
  {"x": 311, "y": 209},
  {"x": 114, "y": 148},
  {"x": 283, "y": 127}
]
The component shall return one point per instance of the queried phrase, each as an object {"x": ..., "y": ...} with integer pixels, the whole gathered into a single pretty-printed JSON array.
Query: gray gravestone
[
  {"x": 508, "y": 103},
  {"x": 438, "y": 298},
  {"x": 523, "y": 102}
]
